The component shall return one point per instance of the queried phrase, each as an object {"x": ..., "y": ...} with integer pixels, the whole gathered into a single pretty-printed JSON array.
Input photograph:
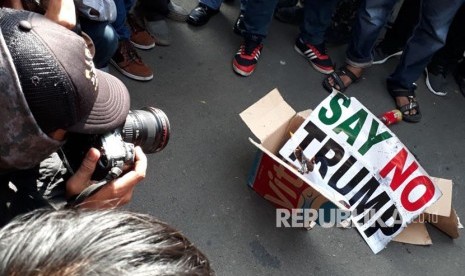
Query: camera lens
[{"x": 148, "y": 128}]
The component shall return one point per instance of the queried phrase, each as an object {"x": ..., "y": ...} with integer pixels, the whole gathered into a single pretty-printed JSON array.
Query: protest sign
[{"x": 343, "y": 149}]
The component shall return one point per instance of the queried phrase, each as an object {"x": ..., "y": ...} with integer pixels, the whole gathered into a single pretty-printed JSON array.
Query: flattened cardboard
[
  {"x": 271, "y": 119},
  {"x": 415, "y": 233},
  {"x": 443, "y": 206},
  {"x": 440, "y": 214},
  {"x": 449, "y": 225}
]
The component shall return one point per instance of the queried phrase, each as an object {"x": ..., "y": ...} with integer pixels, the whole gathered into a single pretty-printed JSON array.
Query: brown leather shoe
[
  {"x": 140, "y": 37},
  {"x": 129, "y": 63}
]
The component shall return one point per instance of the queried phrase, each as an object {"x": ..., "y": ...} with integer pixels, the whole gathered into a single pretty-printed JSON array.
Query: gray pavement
[{"x": 198, "y": 182}]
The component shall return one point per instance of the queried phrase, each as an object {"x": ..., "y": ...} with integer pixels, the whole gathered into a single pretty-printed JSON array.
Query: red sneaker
[
  {"x": 316, "y": 55},
  {"x": 246, "y": 58}
]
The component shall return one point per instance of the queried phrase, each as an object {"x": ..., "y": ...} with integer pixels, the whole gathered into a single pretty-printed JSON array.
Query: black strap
[
  {"x": 349, "y": 73},
  {"x": 338, "y": 81},
  {"x": 93, "y": 188},
  {"x": 412, "y": 105}
]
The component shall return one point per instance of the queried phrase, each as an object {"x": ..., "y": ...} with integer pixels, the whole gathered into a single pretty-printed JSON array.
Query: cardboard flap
[
  {"x": 336, "y": 201},
  {"x": 443, "y": 206},
  {"x": 278, "y": 137},
  {"x": 267, "y": 115},
  {"x": 449, "y": 224},
  {"x": 297, "y": 121},
  {"x": 414, "y": 233}
]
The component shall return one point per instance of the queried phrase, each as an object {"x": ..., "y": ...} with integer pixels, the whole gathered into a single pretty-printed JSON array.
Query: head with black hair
[{"x": 111, "y": 242}]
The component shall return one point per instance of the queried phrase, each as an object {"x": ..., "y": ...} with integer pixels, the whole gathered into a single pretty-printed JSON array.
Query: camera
[{"x": 148, "y": 128}]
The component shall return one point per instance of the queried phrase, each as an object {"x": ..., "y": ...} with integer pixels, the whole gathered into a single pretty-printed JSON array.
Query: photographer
[{"x": 49, "y": 88}]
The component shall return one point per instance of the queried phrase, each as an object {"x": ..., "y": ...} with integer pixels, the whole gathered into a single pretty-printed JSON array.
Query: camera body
[
  {"x": 148, "y": 128},
  {"x": 114, "y": 153}
]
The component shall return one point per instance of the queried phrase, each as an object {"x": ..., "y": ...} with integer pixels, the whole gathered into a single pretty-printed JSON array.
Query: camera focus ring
[{"x": 128, "y": 130}]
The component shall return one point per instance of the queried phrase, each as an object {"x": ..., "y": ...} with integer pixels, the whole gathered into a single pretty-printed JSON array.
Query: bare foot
[{"x": 345, "y": 78}]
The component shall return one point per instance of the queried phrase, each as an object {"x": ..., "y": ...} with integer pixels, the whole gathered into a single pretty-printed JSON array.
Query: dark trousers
[
  {"x": 428, "y": 37},
  {"x": 396, "y": 37},
  {"x": 153, "y": 10},
  {"x": 401, "y": 30},
  {"x": 452, "y": 52}
]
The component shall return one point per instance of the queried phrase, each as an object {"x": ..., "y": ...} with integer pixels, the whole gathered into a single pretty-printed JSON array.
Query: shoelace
[
  {"x": 321, "y": 49},
  {"x": 129, "y": 53},
  {"x": 250, "y": 48}
]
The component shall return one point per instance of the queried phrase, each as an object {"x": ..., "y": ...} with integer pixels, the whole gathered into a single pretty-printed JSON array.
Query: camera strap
[
  {"x": 91, "y": 189},
  {"x": 95, "y": 187},
  {"x": 75, "y": 200}
]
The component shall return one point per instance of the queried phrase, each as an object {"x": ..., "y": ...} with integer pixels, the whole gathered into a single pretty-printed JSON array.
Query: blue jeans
[
  {"x": 214, "y": 4},
  {"x": 257, "y": 18},
  {"x": 104, "y": 37},
  {"x": 153, "y": 10},
  {"x": 122, "y": 9},
  {"x": 452, "y": 52},
  {"x": 428, "y": 37},
  {"x": 317, "y": 19},
  {"x": 371, "y": 19}
]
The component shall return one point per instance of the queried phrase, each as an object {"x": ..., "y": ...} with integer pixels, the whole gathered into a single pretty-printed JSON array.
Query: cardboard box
[{"x": 271, "y": 120}]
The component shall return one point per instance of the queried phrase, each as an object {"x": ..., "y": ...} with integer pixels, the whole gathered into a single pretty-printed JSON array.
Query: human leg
[
  {"x": 105, "y": 40},
  {"x": 201, "y": 14},
  {"x": 153, "y": 14},
  {"x": 122, "y": 8},
  {"x": 152, "y": 10},
  {"x": 214, "y": 4},
  {"x": 446, "y": 59},
  {"x": 310, "y": 43},
  {"x": 340, "y": 29},
  {"x": 396, "y": 36},
  {"x": 459, "y": 76},
  {"x": 428, "y": 37},
  {"x": 372, "y": 16},
  {"x": 126, "y": 59},
  {"x": 239, "y": 27},
  {"x": 177, "y": 12},
  {"x": 317, "y": 19},
  {"x": 140, "y": 37},
  {"x": 341, "y": 79},
  {"x": 155, "y": 10},
  {"x": 257, "y": 18}
]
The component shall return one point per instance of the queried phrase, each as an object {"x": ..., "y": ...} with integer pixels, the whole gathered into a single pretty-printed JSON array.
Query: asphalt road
[{"x": 198, "y": 182}]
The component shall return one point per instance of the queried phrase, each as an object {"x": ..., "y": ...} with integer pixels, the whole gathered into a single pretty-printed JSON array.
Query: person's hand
[
  {"x": 62, "y": 12},
  {"x": 115, "y": 193}
]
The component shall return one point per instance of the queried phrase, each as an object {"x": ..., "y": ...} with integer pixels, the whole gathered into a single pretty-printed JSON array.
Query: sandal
[
  {"x": 406, "y": 109},
  {"x": 343, "y": 71}
]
